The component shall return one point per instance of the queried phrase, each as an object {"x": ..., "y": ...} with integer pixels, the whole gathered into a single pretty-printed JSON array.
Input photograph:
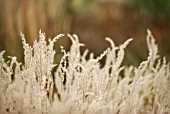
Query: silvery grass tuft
[{"x": 80, "y": 85}]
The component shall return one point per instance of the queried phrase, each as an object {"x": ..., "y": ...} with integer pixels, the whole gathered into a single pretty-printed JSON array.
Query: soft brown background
[{"x": 92, "y": 20}]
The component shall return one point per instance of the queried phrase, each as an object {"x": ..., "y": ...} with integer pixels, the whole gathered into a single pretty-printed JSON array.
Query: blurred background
[{"x": 91, "y": 20}]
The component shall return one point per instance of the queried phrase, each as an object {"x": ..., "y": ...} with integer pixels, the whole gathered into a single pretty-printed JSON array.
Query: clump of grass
[{"x": 82, "y": 85}]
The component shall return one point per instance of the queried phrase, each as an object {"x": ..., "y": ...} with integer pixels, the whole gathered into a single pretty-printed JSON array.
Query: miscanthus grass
[{"x": 80, "y": 85}]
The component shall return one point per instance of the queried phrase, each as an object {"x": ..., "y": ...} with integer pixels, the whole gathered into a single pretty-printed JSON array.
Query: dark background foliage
[{"x": 92, "y": 20}]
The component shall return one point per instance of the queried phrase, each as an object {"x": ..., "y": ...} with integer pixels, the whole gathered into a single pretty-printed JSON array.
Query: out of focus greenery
[
  {"x": 158, "y": 9},
  {"x": 92, "y": 20}
]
